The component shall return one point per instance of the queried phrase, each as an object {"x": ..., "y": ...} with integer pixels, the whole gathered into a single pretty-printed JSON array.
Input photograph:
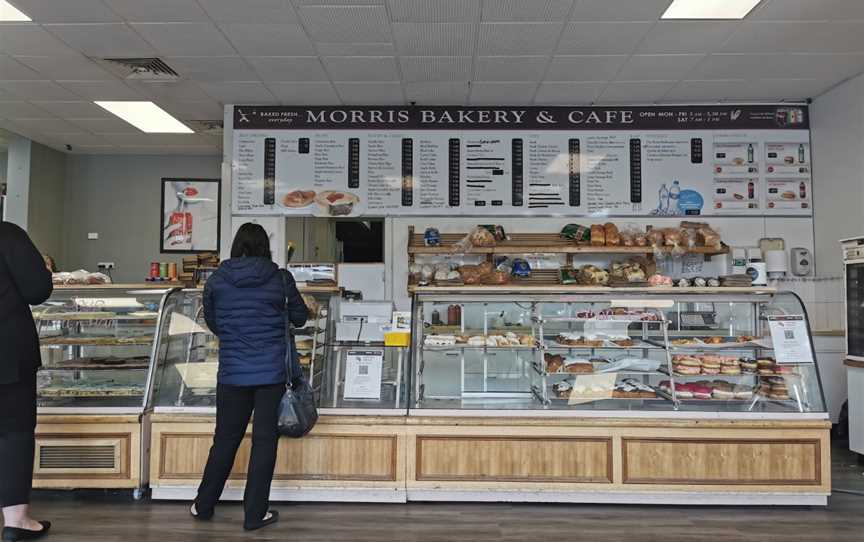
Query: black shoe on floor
[
  {"x": 274, "y": 517},
  {"x": 12, "y": 534}
]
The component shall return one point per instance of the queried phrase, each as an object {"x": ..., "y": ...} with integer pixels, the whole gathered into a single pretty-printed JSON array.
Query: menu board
[{"x": 506, "y": 161}]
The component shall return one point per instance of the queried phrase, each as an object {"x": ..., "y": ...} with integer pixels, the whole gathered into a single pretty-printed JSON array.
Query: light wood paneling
[
  {"x": 314, "y": 457},
  {"x": 514, "y": 459},
  {"x": 670, "y": 461}
]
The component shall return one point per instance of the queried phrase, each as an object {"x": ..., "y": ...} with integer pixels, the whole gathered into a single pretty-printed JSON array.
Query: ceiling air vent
[{"x": 142, "y": 69}]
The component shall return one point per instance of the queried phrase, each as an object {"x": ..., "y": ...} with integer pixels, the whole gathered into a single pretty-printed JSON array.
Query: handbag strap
[{"x": 288, "y": 352}]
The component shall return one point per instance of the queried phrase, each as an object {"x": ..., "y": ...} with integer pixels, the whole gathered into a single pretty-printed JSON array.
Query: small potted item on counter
[{"x": 700, "y": 282}]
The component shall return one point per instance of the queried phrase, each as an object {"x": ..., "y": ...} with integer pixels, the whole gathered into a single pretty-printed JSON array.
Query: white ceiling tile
[
  {"x": 445, "y": 39},
  {"x": 600, "y": 38},
  {"x": 193, "y": 110},
  {"x": 518, "y": 38},
  {"x": 703, "y": 91},
  {"x": 585, "y": 67},
  {"x": 433, "y": 11},
  {"x": 14, "y": 69},
  {"x": 376, "y": 93},
  {"x": 288, "y": 68},
  {"x": 300, "y": 3},
  {"x": 111, "y": 125},
  {"x": 73, "y": 110},
  {"x": 510, "y": 68},
  {"x": 66, "y": 67},
  {"x": 185, "y": 39},
  {"x": 829, "y": 67},
  {"x": 782, "y": 89},
  {"x": 320, "y": 93},
  {"x": 658, "y": 67},
  {"x": 268, "y": 39},
  {"x": 75, "y": 139},
  {"x": 101, "y": 90},
  {"x": 184, "y": 150},
  {"x": 67, "y": 11},
  {"x": 356, "y": 49},
  {"x": 435, "y": 68},
  {"x": 96, "y": 149},
  {"x": 619, "y": 10},
  {"x": 158, "y": 11},
  {"x": 808, "y": 10},
  {"x": 45, "y": 125},
  {"x": 238, "y": 92},
  {"x": 502, "y": 93},
  {"x": 575, "y": 93},
  {"x": 521, "y": 11},
  {"x": 216, "y": 68},
  {"x": 797, "y": 37},
  {"x": 169, "y": 90},
  {"x": 37, "y": 90},
  {"x": 22, "y": 110},
  {"x": 437, "y": 93},
  {"x": 354, "y": 24},
  {"x": 626, "y": 92},
  {"x": 250, "y": 11},
  {"x": 155, "y": 139},
  {"x": 29, "y": 39},
  {"x": 102, "y": 40},
  {"x": 687, "y": 36},
  {"x": 361, "y": 68}
]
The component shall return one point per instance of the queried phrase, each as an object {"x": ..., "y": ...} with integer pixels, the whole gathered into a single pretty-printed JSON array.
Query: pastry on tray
[
  {"x": 577, "y": 366},
  {"x": 554, "y": 362},
  {"x": 562, "y": 389}
]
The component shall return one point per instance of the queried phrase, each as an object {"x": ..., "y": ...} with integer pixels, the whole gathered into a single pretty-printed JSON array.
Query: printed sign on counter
[
  {"x": 363, "y": 374},
  {"x": 790, "y": 339}
]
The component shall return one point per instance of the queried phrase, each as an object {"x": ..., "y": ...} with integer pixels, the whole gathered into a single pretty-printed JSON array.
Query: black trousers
[
  {"x": 234, "y": 407},
  {"x": 17, "y": 426}
]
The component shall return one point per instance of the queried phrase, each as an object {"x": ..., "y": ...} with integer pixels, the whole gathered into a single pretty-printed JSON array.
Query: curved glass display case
[
  {"x": 187, "y": 353},
  {"x": 651, "y": 351},
  {"x": 96, "y": 346}
]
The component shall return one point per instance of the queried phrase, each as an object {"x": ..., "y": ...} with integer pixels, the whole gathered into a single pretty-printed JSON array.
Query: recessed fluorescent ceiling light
[
  {"x": 146, "y": 116},
  {"x": 709, "y": 9},
  {"x": 9, "y": 13}
]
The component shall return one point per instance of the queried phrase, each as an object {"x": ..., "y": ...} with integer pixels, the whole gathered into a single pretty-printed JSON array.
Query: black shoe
[
  {"x": 11, "y": 534},
  {"x": 200, "y": 516},
  {"x": 274, "y": 517}
]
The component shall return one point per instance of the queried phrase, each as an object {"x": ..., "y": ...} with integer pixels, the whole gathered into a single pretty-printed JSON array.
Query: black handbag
[{"x": 297, "y": 411}]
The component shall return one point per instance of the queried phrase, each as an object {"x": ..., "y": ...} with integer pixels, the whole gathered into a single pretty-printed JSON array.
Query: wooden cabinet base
[
  {"x": 88, "y": 452},
  {"x": 394, "y": 459}
]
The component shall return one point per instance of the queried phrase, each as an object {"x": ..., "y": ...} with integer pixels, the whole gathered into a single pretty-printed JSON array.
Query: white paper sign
[
  {"x": 363, "y": 374},
  {"x": 790, "y": 339}
]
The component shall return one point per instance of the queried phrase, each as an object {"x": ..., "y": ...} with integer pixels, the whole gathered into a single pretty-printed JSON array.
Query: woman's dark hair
[{"x": 251, "y": 240}]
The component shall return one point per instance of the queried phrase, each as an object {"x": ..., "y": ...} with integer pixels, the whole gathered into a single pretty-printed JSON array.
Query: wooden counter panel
[
  {"x": 731, "y": 462},
  {"x": 314, "y": 457},
  {"x": 514, "y": 459}
]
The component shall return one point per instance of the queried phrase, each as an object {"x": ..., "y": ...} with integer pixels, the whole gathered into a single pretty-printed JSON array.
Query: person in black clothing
[
  {"x": 247, "y": 304},
  {"x": 24, "y": 281}
]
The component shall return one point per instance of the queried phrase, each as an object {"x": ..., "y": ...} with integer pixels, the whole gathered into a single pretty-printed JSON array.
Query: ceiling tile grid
[{"x": 398, "y": 51}]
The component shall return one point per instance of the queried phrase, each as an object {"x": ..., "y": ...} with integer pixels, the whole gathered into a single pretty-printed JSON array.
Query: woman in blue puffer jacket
[{"x": 247, "y": 304}]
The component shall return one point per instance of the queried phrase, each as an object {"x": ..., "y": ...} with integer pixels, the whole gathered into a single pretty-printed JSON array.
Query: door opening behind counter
[{"x": 334, "y": 240}]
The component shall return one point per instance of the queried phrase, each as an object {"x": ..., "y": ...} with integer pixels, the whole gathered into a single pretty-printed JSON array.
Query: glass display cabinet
[
  {"x": 609, "y": 352},
  {"x": 97, "y": 344}
]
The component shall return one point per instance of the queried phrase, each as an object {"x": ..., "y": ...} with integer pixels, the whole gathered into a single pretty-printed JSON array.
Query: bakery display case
[
  {"x": 598, "y": 394},
  {"x": 97, "y": 344},
  {"x": 324, "y": 465}
]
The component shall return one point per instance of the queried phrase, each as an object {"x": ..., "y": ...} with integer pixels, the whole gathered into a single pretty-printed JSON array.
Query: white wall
[
  {"x": 118, "y": 197},
  {"x": 18, "y": 181}
]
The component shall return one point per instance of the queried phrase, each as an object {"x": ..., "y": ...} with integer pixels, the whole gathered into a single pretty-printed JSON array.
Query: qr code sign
[
  {"x": 790, "y": 335},
  {"x": 364, "y": 370}
]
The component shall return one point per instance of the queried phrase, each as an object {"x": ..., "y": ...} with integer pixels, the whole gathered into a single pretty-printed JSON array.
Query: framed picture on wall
[{"x": 191, "y": 219}]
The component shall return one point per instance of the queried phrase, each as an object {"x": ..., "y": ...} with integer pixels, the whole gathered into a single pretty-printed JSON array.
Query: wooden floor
[{"x": 107, "y": 520}]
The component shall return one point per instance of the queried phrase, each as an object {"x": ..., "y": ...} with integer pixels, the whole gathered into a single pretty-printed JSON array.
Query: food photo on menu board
[
  {"x": 190, "y": 215},
  {"x": 510, "y": 161}
]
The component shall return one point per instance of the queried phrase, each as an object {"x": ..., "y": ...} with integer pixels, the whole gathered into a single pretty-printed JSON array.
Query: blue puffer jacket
[{"x": 245, "y": 306}]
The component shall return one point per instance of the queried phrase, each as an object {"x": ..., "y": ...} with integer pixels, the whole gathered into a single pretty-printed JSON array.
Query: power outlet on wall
[{"x": 105, "y": 265}]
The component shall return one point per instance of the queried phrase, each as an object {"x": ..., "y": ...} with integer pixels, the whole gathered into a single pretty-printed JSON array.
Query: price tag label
[{"x": 790, "y": 339}]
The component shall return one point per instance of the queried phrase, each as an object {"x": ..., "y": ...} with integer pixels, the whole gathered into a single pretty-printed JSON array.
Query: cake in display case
[{"x": 622, "y": 350}]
